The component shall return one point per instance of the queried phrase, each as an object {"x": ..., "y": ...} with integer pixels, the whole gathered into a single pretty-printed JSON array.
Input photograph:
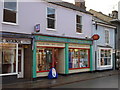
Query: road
[{"x": 104, "y": 82}]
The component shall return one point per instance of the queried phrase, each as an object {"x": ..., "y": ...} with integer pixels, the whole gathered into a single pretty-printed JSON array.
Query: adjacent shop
[
  {"x": 13, "y": 56},
  {"x": 66, "y": 55}
]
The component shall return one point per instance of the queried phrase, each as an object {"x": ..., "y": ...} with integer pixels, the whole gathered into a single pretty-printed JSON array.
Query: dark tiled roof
[{"x": 70, "y": 6}]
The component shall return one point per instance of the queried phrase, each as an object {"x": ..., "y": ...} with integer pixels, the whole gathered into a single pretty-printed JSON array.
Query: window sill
[
  {"x": 7, "y": 74},
  {"x": 7, "y": 23},
  {"x": 49, "y": 29},
  {"x": 106, "y": 66},
  {"x": 79, "y": 33}
]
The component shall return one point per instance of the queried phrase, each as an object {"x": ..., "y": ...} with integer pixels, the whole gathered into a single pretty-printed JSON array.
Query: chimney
[
  {"x": 115, "y": 14},
  {"x": 80, "y": 3}
]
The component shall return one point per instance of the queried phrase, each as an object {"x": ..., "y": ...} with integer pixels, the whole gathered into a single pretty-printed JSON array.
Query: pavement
[{"x": 61, "y": 80}]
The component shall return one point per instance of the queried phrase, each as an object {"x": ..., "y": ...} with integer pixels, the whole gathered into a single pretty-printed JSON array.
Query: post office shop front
[{"x": 66, "y": 55}]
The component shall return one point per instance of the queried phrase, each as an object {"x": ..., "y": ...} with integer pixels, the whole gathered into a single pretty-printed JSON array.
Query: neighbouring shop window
[
  {"x": 106, "y": 36},
  {"x": 44, "y": 59},
  {"x": 10, "y": 11},
  {"x": 50, "y": 18},
  {"x": 78, "y": 24},
  {"x": 8, "y": 58},
  {"x": 105, "y": 57},
  {"x": 78, "y": 58}
]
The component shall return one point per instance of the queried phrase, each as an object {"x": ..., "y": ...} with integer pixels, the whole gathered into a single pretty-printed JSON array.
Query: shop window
[
  {"x": 78, "y": 58},
  {"x": 44, "y": 59},
  {"x": 50, "y": 18},
  {"x": 8, "y": 60},
  {"x": 10, "y": 11},
  {"x": 105, "y": 58},
  {"x": 78, "y": 24}
]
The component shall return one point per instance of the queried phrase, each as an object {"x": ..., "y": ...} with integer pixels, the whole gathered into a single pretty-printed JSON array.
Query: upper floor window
[
  {"x": 78, "y": 24},
  {"x": 10, "y": 11},
  {"x": 50, "y": 18},
  {"x": 106, "y": 36}
]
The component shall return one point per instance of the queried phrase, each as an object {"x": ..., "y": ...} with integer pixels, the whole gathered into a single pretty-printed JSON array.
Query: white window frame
[
  {"x": 15, "y": 73},
  {"x": 50, "y": 29},
  {"x": 99, "y": 57},
  {"x": 10, "y": 23},
  {"x": 107, "y": 36},
  {"x": 77, "y": 23}
]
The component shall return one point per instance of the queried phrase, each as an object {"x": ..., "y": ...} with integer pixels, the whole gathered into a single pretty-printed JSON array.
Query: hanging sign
[
  {"x": 52, "y": 74},
  {"x": 37, "y": 28},
  {"x": 95, "y": 37}
]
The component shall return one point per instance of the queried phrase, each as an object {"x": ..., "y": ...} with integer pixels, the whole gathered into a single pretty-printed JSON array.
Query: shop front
[
  {"x": 79, "y": 58},
  {"x": 13, "y": 58},
  {"x": 66, "y": 55}
]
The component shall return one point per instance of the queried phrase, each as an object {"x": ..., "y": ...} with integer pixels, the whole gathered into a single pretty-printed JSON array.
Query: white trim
[
  {"x": 21, "y": 74},
  {"x": 106, "y": 25},
  {"x": 49, "y": 29},
  {"x": 79, "y": 33},
  {"x": 8, "y": 74},
  {"x": 80, "y": 24},
  {"x": 17, "y": 58},
  {"x": 10, "y": 23},
  {"x": 16, "y": 62},
  {"x": 99, "y": 58},
  {"x": 108, "y": 37}
]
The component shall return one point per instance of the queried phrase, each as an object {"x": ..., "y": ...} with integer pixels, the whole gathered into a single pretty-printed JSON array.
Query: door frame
[{"x": 21, "y": 74}]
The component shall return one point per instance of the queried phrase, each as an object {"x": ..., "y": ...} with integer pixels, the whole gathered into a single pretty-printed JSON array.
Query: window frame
[
  {"x": 79, "y": 24},
  {"x": 108, "y": 37},
  {"x": 16, "y": 72},
  {"x": 10, "y": 23},
  {"x": 50, "y": 29},
  {"x": 99, "y": 58}
]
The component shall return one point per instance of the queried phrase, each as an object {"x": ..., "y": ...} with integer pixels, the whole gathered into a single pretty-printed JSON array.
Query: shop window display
[
  {"x": 105, "y": 58},
  {"x": 8, "y": 58},
  {"x": 78, "y": 58},
  {"x": 44, "y": 59}
]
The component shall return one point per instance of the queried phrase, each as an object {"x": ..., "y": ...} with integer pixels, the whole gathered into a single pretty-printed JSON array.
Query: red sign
[{"x": 95, "y": 37}]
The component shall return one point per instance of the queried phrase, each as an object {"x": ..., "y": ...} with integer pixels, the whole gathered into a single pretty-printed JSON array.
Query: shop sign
[
  {"x": 95, "y": 37},
  {"x": 19, "y": 41},
  {"x": 50, "y": 44},
  {"x": 78, "y": 46},
  {"x": 66, "y": 40},
  {"x": 52, "y": 74}
]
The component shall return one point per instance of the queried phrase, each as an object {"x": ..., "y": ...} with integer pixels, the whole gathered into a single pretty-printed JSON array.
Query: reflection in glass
[
  {"x": 78, "y": 58},
  {"x": 105, "y": 57},
  {"x": 8, "y": 58}
]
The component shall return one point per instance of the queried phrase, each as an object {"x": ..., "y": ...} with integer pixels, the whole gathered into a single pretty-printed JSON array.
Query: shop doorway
[
  {"x": 20, "y": 63},
  {"x": 58, "y": 59}
]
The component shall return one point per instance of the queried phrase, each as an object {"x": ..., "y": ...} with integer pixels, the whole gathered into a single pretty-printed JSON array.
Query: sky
[{"x": 104, "y": 6}]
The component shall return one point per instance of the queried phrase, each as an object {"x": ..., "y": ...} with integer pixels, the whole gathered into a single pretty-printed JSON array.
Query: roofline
[
  {"x": 71, "y": 8},
  {"x": 106, "y": 25},
  {"x": 115, "y": 20}
]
